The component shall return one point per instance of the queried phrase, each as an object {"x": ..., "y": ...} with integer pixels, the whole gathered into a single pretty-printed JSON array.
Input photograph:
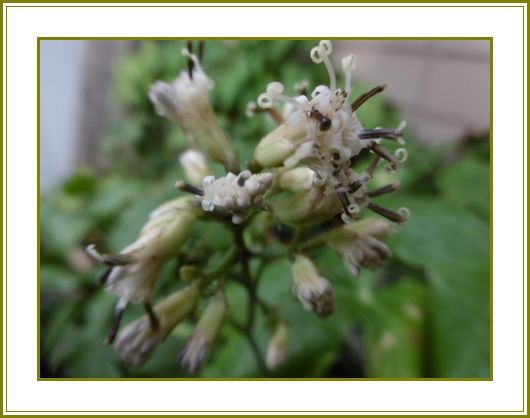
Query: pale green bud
[
  {"x": 278, "y": 346},
  {"x": 139, "y": 339},
  {"x": 307, "y": 207},
  {"x": 297, "y": 179},
  {"x": 279, "y": 144},
  {"x": 196, "y": 351},
  {"x": 314, "y": 291},
  {"x": 195, "y": 166}
]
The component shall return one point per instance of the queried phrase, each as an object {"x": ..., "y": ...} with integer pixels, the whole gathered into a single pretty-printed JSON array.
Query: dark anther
[
  {"x": 383, "y": 153},
  {"x": 373, "y": 166},
  {"x": 336, "y": 156},
  {"x": 189, "y": 188},
  {"x": 366, "y": 96},
  {"x": 153, "y": 319},
  {"x": 387, "y": 213},
  {"x": 389, "y": 188},
  {"x": 104, "y": 277},
  {"x": 113, "y": 260},
  {"x": 190, "y": 61},
  {"x": 344, "y": 201},
  {"x": 324, "y": 121},
  {"x": 242, "y": 178},
  {"x": 118, "y": 315},
  {"x": 356, "y": 185},
  {"x": 381, "y": 133},
  {"x": 201, "y": 50}
]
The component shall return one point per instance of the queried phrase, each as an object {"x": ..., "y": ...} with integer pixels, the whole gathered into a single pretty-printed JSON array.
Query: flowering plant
[{"x": 304, "y": 177}]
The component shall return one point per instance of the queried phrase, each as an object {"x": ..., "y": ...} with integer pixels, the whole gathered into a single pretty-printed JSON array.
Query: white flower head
[
  {"x": 139, "y": 339},
  {"x": 361, "y": 244},
  {"x": 195, "y": 166},
  {"x": 198, "y": 347},
  {"x": 278, "y": 346},
  {"x": 314, "y": 291},
  {"x": 236, "y": 194},
  {"x": 132, "y": 274},
  {"x": 187, "y": 103}
]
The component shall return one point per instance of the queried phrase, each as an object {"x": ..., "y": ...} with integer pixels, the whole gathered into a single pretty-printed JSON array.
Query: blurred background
[{"x": 107, "y": 160}]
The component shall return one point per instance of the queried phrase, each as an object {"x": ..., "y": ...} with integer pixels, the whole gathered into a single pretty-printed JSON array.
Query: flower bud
[
  {"x": 314, "y": 292},
  {"x": 281, "y": 143},
  {"x": 139, "y": 339},
  {"x": 187, "y": 103},
  {"x": 360, "y": 243},
  {"x": 297, "y": 179},
  {"x": 307, "y": 207},
  {"x": 196, "y": 351},
  {"x": 195, "y": 167},
  {"x": 132, "y": 274},
  {"x": 278, "y": 345}
]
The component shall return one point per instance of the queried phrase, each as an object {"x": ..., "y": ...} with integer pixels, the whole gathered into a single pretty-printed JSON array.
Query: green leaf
[{"x": 467, "y": 183}]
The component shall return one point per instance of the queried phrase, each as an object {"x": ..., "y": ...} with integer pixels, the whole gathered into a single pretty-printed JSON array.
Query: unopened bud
[
  {"x": 314, "y": 292},
  {"x": 306, "y": 207},
  {"x": 195, "y": 166},
  {"x": 278, "y": 345},
  {"x": 139, "y": 339},
  {"x": 196, "y": 351},
  {"x": 278, "y": 145}
]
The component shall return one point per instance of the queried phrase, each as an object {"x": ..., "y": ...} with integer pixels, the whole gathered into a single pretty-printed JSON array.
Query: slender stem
[{"x": 251, "y": 286}]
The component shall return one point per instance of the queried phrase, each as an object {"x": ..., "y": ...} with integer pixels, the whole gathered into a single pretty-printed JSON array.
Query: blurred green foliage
[{"x": 426, "y": 314}]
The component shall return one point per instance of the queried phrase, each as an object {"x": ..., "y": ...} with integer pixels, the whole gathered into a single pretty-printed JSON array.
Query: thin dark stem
[
  {"x": 153, "y": 319},
  {"x": 366, "y": 96},
  {"x": 251, "y": 286}
]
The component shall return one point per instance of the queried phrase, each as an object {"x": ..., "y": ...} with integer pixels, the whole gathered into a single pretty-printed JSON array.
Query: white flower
[
  {"x": 323, "y": 133},
  {"x": 139, "y": 339},
  {"x": 235, "y": 194},
  {"x": 314, "y": 291},
  {"x": 195, "y": 166},
  {"x": 278, "y": 345},
  {"x": 196, "y": 351},
  {"x": 132, "y": 274},
  {"x": 360, "y": 244},
  {"x": 187, "y": 103}
]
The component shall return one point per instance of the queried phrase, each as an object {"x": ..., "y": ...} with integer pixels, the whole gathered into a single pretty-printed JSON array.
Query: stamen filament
[{"x": 366, "y": 96}]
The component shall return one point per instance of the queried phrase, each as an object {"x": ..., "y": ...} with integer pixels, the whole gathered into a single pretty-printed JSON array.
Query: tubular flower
[
  {"x": 278, "y": 345},
  {"x": 235, "y": 194},
  {"x": 187, "y": 103},
  {"x": 132, "y": 273},
  {"x": 196, "y": 351},
  {"x": 306, "y": 202},
  {"x": 314, "y": 292},
  {"x": 195, "y": 166},
  {"x": 139, "y": 339},
  {"x": 324, "y": 133},
  {"x": 360, "y": 244}
]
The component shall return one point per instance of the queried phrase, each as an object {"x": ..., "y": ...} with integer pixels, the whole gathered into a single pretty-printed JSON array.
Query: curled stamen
[
  {"x": 274, "y": 92},
  {"x": 208, "y": 180},
  {"x": 405, "y": 212},
  {"x": 401, "y": 154},
  {"x": 321, "y": 54},
  {"x": 354, "y": 209}
]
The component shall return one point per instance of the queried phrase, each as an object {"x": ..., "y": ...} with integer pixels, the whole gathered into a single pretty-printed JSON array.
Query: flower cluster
[{"x": 303, "y": 175}]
